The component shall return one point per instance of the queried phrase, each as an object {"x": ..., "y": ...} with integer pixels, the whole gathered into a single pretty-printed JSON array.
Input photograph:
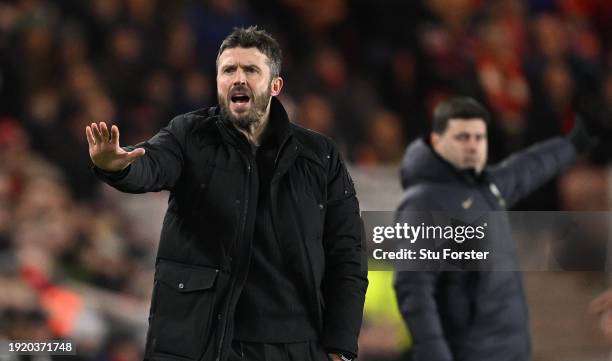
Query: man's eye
[{"x": 228, "y": 70}]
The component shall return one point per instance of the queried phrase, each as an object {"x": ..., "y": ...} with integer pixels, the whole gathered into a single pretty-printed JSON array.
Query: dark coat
[
  {"x": 471, "y": 316},
  {"x": 205, "y": 246}
]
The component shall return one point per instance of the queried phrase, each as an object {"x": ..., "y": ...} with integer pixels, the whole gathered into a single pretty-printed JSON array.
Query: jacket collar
[
  {"x": 468, "y": 175},
  {"x": 422, "y": 163},
  {"x": 279, "y": 121}
]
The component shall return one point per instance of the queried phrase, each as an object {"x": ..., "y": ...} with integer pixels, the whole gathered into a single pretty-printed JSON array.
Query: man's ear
[
  {"x": 276, "y": 86},
  {"x": 434, "y": 138}
]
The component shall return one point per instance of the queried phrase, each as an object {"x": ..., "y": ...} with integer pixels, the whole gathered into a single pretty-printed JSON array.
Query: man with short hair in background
[
  {"x": 471, "y": 315},
  {"x": 260, "y": 251}
]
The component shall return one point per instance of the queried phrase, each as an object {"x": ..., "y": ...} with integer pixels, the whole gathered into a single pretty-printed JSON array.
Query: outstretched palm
[{"x": 104, "y": 149}]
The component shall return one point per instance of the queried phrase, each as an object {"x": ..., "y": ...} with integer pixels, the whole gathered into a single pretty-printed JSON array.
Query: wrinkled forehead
[
  {"x": 243, "y": 57},
  {"x": 474, "y": 126}
]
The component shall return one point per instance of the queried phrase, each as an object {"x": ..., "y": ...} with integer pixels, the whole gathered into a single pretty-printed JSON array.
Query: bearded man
[{"x": 260, "y": 250}]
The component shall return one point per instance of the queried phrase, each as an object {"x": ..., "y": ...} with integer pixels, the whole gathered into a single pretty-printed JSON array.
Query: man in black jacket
[
  {"x": 260, "y": 251},
  {"x": 462, "y": 315}
]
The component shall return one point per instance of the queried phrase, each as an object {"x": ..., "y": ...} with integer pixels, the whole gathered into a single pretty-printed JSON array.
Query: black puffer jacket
[
  {"x": 471, "y": 316},
  {"x": 205, "y": 245}
]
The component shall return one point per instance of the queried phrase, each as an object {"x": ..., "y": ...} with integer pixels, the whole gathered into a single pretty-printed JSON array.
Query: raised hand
[
  {"x": 602, "y": 305},
  {"x": 104, "y": 149}
]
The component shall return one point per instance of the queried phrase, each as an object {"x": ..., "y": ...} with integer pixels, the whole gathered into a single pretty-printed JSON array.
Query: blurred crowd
[{"x": 367, "y": 73}]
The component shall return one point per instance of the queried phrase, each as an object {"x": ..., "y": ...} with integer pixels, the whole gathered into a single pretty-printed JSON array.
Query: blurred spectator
[
  {"x": 317, "y": 114},
  {"x": 180, "y": 54},
  {"x": 385, "y": 140},
  {"x": 583, "y": 237},
  {"x": 501, "y": 75},
  {"x": 210, "y": 21},
  {"x": 348, "y": 94}
]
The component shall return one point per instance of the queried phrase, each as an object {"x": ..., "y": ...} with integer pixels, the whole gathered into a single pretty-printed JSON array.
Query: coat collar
[{"x": 422, "y": 163}]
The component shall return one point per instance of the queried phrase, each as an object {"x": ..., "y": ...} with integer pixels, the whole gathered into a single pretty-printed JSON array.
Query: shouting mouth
[{"x": 240, "y": 101}]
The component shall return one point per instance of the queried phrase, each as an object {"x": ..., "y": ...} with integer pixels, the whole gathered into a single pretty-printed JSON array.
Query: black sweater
[{"x": 271, "y": 307}]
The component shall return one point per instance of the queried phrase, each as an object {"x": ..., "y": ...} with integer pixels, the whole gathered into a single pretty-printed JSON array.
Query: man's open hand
[
  {"x": 602, "y": 306},
  {"x": 104, "y": 149}
]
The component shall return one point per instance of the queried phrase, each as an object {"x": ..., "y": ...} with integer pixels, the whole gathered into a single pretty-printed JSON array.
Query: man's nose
[
  {"x": 240, "y": 77},
  {"x": 472, "y": 145}
]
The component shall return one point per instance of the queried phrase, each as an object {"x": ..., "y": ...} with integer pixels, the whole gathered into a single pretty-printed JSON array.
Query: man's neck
[{"x": 256, "y": 131}]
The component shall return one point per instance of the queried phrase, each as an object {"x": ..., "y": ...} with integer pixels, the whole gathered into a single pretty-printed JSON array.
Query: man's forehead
[
  {"x": 467, "y": 125},
  {"x": 242, "y": 56}
]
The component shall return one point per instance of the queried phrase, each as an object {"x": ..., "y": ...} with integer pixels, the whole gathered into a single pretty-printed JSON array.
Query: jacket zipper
[{"x": 244, "y": 218}]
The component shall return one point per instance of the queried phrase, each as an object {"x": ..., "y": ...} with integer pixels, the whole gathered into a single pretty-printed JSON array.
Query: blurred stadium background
[{"x": 76, "y": 257}]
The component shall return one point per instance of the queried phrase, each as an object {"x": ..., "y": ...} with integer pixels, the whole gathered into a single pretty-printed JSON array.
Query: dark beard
[{"x": 252, "y": 117}]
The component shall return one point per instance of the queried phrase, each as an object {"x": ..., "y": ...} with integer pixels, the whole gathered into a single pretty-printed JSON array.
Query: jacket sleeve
[
  {"x": 158, "y": 169},
  {"x": 415, "y": 292},
  {"x": 525, "y": 171},
  {"x": 345, "y": 279}
]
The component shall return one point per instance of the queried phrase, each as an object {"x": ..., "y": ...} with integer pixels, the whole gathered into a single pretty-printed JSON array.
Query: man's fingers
[
  {"x": 90, "y": 138},
  {"x": 96, "y": 133},
  {"x": 595, "y": 305},
  {"x": 135, "y": 154},
  {"x": 114, "y": 135},
  {"x": 601, "y": 303},
  {"x": 104, "y": 131}
]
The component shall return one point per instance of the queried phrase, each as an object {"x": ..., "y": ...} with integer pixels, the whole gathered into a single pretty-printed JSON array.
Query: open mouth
[{"x": 240, "y": 98}]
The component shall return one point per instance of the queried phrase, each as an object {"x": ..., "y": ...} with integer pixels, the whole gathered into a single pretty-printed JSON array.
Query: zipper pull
[{"x": 500, "y": 199}]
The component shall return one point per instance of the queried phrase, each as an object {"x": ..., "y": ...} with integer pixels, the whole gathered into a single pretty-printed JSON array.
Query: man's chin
[
  {"x": 236, "y": 115},
  {"x": 243, "y": 120},
  {"x": 477, "y": 168},
  {"x": 472, "y": 167},
  {"x": 242, "y": 110}
]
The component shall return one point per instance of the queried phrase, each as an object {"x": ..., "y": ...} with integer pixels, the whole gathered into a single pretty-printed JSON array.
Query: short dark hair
[
  {"x": 253, "y": 37},
  {"x": 457, "y": 108}
]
